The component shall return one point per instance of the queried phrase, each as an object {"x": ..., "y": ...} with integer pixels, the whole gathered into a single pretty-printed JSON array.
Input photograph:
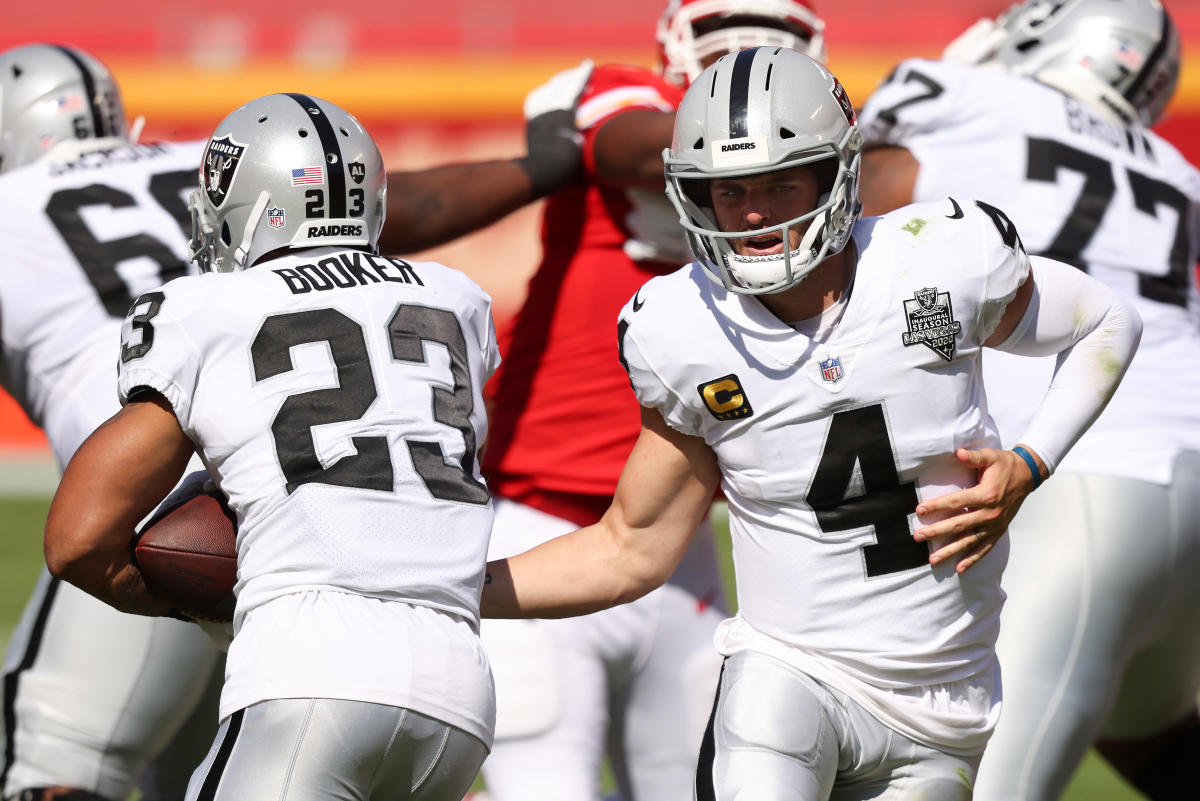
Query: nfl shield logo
[
  {"x": 831, "y": 369},
  {"x": 275, "y": 217}
]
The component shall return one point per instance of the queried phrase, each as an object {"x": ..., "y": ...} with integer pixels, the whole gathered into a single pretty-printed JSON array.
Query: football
[{"x": 187, "y": 554}]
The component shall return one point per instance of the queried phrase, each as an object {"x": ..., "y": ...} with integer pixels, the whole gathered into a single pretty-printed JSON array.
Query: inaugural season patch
[
  {"x": 931, "y": 322},
  {"x": 725, "y": 399},
  {"x": 221, "y": 161}
]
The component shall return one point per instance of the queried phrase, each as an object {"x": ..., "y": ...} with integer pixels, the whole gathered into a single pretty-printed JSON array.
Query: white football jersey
[
  {"x": 82, "y": 239},
  {"x": 336, "y": 398},
  {"x": 1119, "y": 202},
  {"x": 825, "y": 449}
]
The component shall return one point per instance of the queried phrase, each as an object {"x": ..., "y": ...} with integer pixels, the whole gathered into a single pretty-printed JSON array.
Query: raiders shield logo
[
  {"x": 931, "y": 322},
  {"x": 358, "y": 171},
  {"x": 221, "y": 161}
]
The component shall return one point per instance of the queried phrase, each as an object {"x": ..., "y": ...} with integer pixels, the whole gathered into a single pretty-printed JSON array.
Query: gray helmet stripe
[
  {"x": 89, "y": 88},
  {"x": 335, "y": 168},
  {"x": 1156, "y": 55},
  {"x": 739, "y": 93}
]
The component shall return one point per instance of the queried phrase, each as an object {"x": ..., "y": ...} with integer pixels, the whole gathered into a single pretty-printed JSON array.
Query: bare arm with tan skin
[
  {"x": 665, "y": 490},
  {"x": 431, "y": 207},
  {"x": 629, "y": 148},
  {"x": 116, "y": 478}
]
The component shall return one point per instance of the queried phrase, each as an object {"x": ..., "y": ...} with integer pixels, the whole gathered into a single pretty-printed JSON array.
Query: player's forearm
[
  {"x": 575, "y": 574},
  {"x": 426, "y": 208},
  {"x": 1096, "y": 334}
]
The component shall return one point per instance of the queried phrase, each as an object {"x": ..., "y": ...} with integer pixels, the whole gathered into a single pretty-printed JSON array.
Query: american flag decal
[{"x": 307, "y": 175}]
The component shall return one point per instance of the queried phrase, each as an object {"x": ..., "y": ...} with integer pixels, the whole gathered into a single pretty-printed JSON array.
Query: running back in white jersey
[
  {"x": 1119, "y": 202},
  {"x": 94, "y": 233},
  {"x": 826, "y": 447},
  {"x": 336, "y": 398}
]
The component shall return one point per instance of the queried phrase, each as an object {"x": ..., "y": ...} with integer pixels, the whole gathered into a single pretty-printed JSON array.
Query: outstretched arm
[
  {"x": 116, "y": 478},
  {"x": 431, "y": 207},
  {"x": 665, "y": 490}
]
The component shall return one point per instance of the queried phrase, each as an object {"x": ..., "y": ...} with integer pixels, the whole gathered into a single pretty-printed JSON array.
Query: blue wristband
[{"x": 1033, "y": 467}]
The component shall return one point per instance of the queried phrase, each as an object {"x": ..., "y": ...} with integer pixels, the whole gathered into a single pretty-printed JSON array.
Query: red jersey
[{"x": 564, "y": 418}]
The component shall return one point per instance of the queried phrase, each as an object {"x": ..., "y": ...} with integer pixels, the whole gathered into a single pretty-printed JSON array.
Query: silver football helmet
[
  {"x": 52, "y": 99},
  {"x": 1119, "y": 56},
  {"x": 286, "y": 171},
  {"x": 691, "y": 31},
  {"x": 758, "y": 111}
]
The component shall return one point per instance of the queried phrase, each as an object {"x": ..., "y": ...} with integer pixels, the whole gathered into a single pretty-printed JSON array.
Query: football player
[
  {"x": 826, "y": 375},
  {"x": 88, "y": 219},
  {"x": 636, "y": 681},
  {"x": 1045, "y": 112},
  {"x": 295, "y": 366}
]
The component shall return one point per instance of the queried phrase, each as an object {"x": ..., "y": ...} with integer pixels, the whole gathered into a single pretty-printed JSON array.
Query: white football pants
[
  {"x": 777, "y": 734},
  {"x": 1100, "y": 636},
  {"x": 322, "y": 749}
]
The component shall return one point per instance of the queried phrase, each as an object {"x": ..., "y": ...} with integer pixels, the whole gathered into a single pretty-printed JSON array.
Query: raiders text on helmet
[
  {"x": 286, "y": 171},
  {"x": 1119, "y": 56},
  {"x": 693, "y": 31},
  {"x": 758, "y": 111},
  {"x": 52, "y": 99}
]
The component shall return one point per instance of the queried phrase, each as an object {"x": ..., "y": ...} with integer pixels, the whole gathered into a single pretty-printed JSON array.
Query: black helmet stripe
[
  {"x": 739, "y": 93},
  {"x": 335, "y": 168},
  {"x": 89, "y": 89},
  {"x": 1152, "y": 60}
]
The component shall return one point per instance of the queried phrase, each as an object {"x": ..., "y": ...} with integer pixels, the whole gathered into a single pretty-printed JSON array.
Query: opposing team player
[
  {"x": 88, "y": 220},
  {"x": 296, "y": 367},
  {"x": 1043, "y": 112},
  {"x": 826, "y": 374},
  {"x": 638, "y": 680}
]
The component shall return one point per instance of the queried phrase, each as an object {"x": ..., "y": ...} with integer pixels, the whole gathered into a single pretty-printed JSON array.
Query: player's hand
[
  {"x": 979, "y": 515},
  {"x": 554, "y": 148}
]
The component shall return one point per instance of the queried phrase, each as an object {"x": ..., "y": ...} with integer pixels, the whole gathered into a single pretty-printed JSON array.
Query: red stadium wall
[{"x": 444, "y": 81}]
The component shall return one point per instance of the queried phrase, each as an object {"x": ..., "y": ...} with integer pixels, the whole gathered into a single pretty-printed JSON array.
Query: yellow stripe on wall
[{"x": 437, "y": 87}]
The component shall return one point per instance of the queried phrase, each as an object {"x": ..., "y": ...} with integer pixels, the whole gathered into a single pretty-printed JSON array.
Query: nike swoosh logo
[
  {"x": 957, "y": 215},
  {"x": 638, "y": 304}
]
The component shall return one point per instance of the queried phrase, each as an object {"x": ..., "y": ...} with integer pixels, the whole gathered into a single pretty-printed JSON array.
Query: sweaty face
[{"x": 748, "y": 203}]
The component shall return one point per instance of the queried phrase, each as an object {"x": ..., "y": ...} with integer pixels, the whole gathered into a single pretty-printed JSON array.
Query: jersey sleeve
[
  {"x": 614, "y": 90},
  {"x": 918, "y": 98},
  {"x": 158, "y": 352},
  {"x": 1005, "y": 264},
  {"x": 645, "y": 367}
]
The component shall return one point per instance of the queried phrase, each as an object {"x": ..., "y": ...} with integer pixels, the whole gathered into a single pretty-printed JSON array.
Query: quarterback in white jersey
[
  {"x": 1103, "y": 643},
  {"x": 827, "y": 375},
  {"x": 336, "y": 397},
  {"x": 89, "y": 220}
]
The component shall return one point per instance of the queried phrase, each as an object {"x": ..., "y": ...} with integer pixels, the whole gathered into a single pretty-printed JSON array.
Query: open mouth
[{"x": 764, "y": 245}]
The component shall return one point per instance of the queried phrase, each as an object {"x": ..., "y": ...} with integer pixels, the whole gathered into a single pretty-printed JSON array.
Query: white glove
[{"x": 554, "y": 148}]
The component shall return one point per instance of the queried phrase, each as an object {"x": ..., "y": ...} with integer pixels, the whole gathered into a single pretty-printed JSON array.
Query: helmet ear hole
[
  {"x": 226, "y": 236},
  {"x": 1027, "y": 45},
  {"x": 699, "y": 145},
  {"x": 784, "y": 133}
]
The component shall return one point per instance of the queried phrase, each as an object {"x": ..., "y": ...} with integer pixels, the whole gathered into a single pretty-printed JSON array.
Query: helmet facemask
[
  {"x": 825, "y": 229},
  {"x": 759, "y": 112}
]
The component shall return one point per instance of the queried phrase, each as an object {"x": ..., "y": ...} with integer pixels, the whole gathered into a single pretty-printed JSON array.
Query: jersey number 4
[
  {"x": 371, "y": 467},
  {"x": 861, "y": 436}
]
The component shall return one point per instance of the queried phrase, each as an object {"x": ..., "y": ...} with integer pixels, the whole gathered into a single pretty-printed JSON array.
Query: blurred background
[{"x": 438, "y": 81}]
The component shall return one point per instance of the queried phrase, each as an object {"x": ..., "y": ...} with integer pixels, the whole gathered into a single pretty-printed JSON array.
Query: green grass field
[{"x": 21, "y": 555}]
